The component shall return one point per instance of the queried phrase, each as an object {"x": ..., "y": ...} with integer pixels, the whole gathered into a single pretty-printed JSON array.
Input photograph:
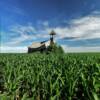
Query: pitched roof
[
  {"x": 36, "y": 45},
  {"x": 52, "y": 32}
]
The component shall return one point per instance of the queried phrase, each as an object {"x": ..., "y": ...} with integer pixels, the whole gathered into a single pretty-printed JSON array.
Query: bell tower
[{"x": 52, "y": 33}]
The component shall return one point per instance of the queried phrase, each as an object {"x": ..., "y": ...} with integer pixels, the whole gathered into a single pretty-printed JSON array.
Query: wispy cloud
[
  {"x": 23, "y": 29},
  {"x": 43, "y": 23},
  {"x": 22, "y": 33},
  {"x": 85, "y": 28},
  {"x": 80, "y": 49},
  {"x": 6, "y": 49}
]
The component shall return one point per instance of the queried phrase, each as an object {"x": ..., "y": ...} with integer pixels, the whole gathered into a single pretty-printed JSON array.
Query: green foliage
[
  {"x": 55, "y": 49},
  {"x": 50, "y": 77}
]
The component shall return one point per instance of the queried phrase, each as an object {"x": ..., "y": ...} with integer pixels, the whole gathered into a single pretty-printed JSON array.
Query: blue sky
[{"x": 25, "y": 21}]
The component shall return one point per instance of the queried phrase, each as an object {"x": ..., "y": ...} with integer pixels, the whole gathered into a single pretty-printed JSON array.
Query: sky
[{"x": 25, "y": 21}]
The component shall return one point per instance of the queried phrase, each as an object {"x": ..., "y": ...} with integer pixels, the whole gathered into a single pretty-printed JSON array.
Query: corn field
[{"x": 50, "y": 76}]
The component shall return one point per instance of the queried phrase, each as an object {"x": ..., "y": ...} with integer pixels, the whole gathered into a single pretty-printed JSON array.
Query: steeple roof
[{"x": 52, "y": 32}]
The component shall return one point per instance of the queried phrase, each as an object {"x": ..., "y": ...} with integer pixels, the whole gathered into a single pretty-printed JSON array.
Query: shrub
[{"x": 55, "y": 49}]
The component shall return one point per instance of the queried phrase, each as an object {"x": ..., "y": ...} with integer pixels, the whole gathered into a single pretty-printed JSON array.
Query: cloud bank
[
  {"x": 80, "y": 49},
  {"x": 87, "y": 27},
  {"x": 13, "y": 49},
  {"x": 66, "y": 49}
]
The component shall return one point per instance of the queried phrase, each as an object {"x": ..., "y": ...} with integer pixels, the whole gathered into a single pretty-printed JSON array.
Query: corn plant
[{"x": 50, "y": 76}]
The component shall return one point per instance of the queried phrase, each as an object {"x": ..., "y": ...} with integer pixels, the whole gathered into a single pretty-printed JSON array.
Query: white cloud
[
  {"x": 6, "y": 49},
  {"x": 67, "y": 49},
  {"x": 16, "y": 41},
  {"x": 80, "y": 49},
  {"x": 24, "y": 33},
  {"x": 21, "y": 33},
  {"x": 22, "y": 29},
  {"x": 46, "y": 23},
  {"x": 43, "y": 23},
  {"x": 87, "y": 27}
]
